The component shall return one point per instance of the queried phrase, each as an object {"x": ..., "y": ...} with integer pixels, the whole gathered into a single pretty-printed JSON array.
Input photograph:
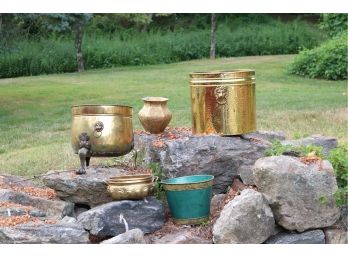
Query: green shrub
[
  {"x": 234, "y": 39},
  {"x": 328, "y": 61},
  {"x": 339, "y": 160},
  {"x": 335, "y": 23}
]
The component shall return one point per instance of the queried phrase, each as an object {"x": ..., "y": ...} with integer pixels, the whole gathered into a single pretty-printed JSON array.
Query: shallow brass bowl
[
  {"x": 130, "y": 187},
  {"x": 131, "y": 191}
]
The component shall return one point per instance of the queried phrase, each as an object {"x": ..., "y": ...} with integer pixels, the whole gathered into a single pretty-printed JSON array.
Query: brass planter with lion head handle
[
  {"x": 223, "y": 102},
  {"x": 101, "y": 131}
]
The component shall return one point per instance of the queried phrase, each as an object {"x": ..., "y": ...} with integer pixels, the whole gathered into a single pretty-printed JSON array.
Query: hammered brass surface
[
  {"x": 223, "y": 102},
  {"x": 130, "y": 191},
  {"x": 109, "y": 127}
]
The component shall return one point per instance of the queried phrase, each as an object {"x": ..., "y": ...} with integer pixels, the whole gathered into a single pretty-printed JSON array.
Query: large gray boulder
[
  {"x": 308, "y": 237},
  {"x": 87, "y": 189},
  {"x": 117, "y": 217},
  {"x": 328, "y": 143},
  {"x": 44, "y": 234},
  {"x": 265, "y": 135},
  {"x": 247, "y": 219},
  {"x": 133, "y": 236},
  {"x": 222, "y": 157},
  {"x": 336, "y": 236},
  {"x": 338, "y": 233},
  {"x": 52, "y": 208},
  {"x": 300, "y": 195}
]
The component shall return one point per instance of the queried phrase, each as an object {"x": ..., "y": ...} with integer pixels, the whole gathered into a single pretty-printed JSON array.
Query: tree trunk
[
  {"x": 0, "y": 22},
  {"x": 213, "y": 36},
  {"x": 78, "y": 46}
]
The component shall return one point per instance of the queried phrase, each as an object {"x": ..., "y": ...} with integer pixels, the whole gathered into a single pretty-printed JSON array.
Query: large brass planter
[
  {"x": 223, "y": 102},
  {"x": 101, "y": 131}
]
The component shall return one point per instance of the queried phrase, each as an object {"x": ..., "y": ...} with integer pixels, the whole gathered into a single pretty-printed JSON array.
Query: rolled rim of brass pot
[
  {"x": 155, "y": 99},
  {"x": 130, "y": 179},
  {"x": 233, "y": 77},
  {"x": 95, "y": 109}
]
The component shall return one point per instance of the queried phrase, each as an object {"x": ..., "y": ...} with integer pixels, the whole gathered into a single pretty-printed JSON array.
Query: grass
[{"x": 35, "y": 111}]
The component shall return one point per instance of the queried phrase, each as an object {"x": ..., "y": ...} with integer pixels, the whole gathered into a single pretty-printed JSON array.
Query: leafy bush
[
  {"x": 234, "y": 39},
  {"x": 335, "y": 23},
  {"x": 339, "y": 160},
  {"x": 328, "y": 61}
]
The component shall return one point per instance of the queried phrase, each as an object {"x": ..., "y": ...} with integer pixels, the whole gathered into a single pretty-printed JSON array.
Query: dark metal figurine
[{"x": 84, "y": 152}]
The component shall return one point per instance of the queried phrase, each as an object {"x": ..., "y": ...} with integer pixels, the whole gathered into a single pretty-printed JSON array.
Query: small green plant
[
  {"x": 322, "y": 199},
  {"x": 339, "y": 160},
  {"x": 157, "y": 172},
  {"x": 277, "y": 148}
]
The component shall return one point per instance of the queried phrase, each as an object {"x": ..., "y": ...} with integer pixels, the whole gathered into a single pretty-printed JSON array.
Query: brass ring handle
[{"x": 98, "y": 128}]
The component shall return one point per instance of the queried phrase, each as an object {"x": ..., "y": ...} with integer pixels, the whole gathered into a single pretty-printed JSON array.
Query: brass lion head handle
[{"x": 98, "y": 128}]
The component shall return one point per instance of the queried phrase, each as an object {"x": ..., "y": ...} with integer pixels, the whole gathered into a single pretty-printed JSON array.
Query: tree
[
  {"x": 76, "y": 23},
  {"x": 213, "y": 36}
]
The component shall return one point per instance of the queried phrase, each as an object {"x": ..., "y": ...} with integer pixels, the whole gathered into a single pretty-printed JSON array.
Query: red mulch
[
  {"x": 16, "y": 220},
  {"x": 47, "y": 193},
  {"x": 168, "y": 134},
  {"x": 312, "y": 160}
]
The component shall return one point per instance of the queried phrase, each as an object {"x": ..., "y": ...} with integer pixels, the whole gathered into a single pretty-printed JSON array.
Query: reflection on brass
[
  {"x": 101, "y": 131},
  {"x": 191, "y": 186},
  {"x": 223, "y": 102},
  {"x": 130, "y": 187},
  {"x": 191, "y": 221},
  {"x": 155, "y": 116}
]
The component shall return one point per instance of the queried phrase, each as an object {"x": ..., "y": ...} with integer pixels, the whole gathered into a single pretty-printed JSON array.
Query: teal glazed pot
[{"x": 189, "y": 198}]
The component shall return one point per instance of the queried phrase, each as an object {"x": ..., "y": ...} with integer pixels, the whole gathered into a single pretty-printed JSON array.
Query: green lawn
[{"x": 35, "y": 111}]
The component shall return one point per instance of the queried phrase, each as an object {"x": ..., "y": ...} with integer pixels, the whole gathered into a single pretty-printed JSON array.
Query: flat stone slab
[
  {"x": 44, "y": 234},
  {"x": 327, "y": 143},
  {"x": 134, "y": 236},
  {"x": 114, "y": 218},
  {"x": 87, "y": 189},
  {"x": 309, "y": 237},
  {"x": 52, "y": 208},
  {"x": 219, "y": 156}
]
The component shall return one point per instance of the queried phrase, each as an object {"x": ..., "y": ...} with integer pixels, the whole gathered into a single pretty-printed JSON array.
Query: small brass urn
[{"x": 155, "y": 115}]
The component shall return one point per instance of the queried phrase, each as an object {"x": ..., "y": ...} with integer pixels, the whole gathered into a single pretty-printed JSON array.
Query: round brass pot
[
  {"x": 109, "y": 128},
  {"x": 131, "y": 188},
  {"x": 155, "y": 115},
  {"x": 102, "y": 131},
  {"x": 223, "y": 102}
]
